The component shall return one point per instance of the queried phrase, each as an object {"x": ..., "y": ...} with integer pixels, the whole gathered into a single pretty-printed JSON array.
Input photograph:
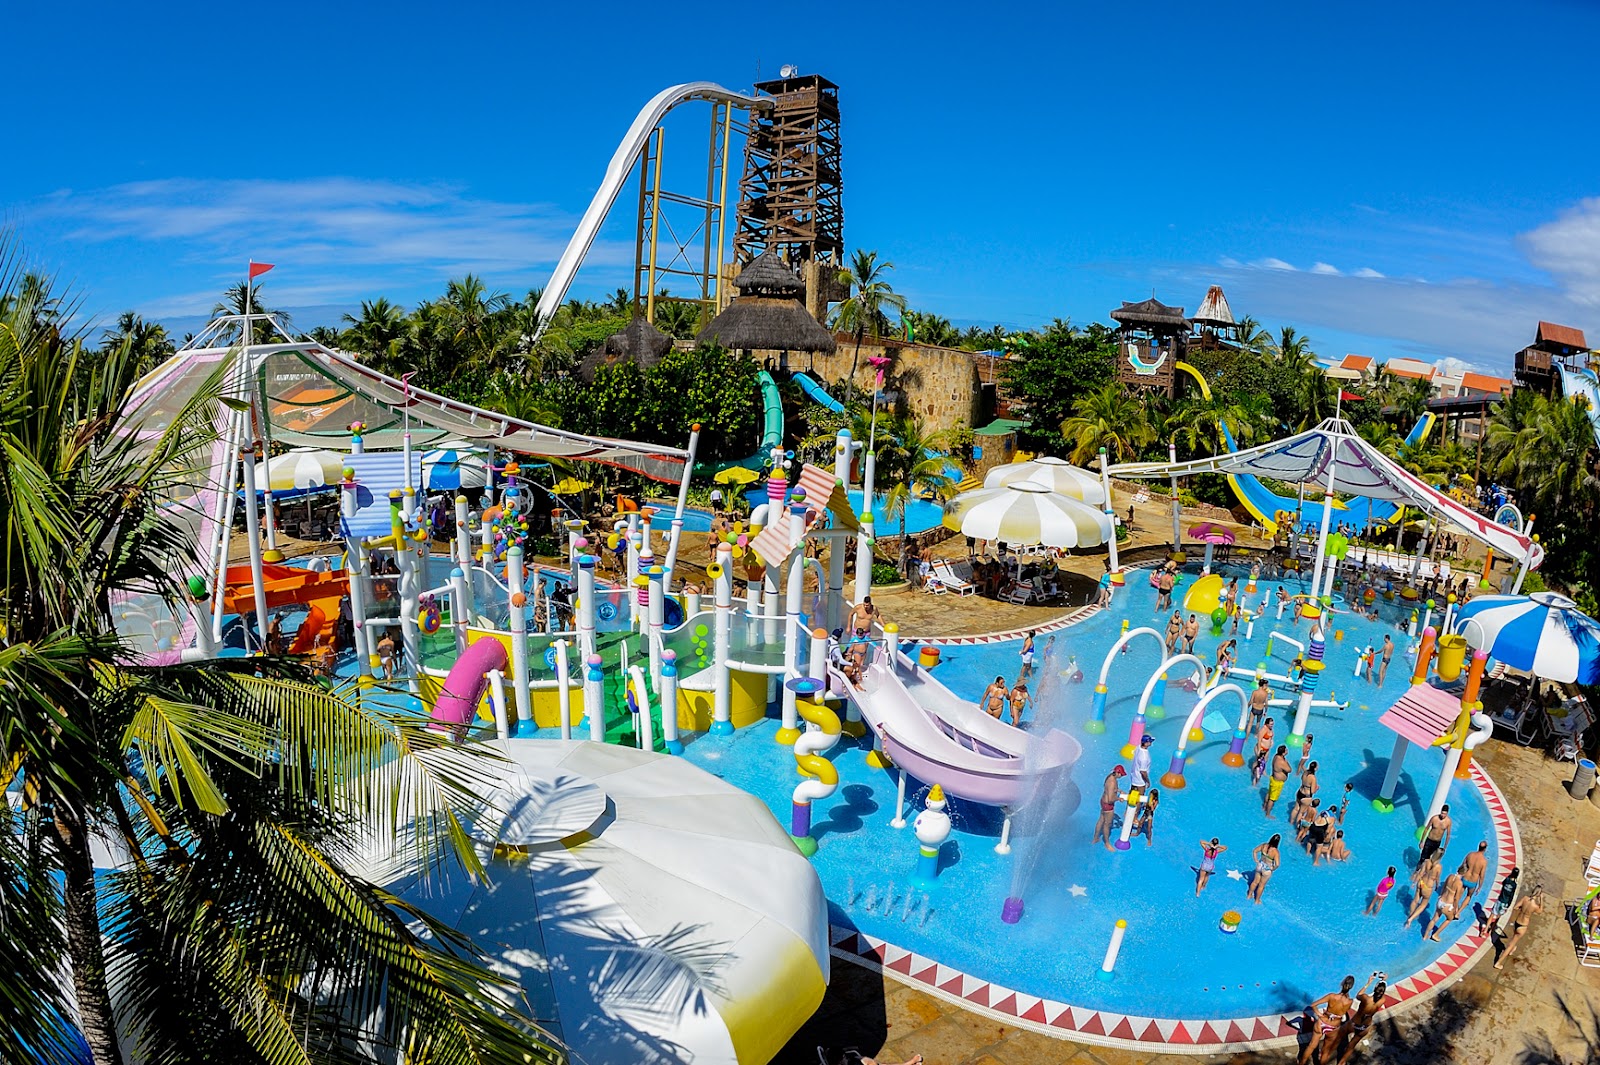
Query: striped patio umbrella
[
  {"x": 304, "y": 469},
  {"x": 1028, "y": 513},
  {"x": 1544, "y": 634},
  {"x": 449, "y": 469},
  {"x": 1059, "y": 475}
]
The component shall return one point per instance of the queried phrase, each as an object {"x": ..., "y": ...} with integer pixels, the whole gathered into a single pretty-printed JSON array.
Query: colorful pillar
[
  {"x": 1105, "y": 484},
  {"x": 1419, "y": 674},
  {"x": 722, "y": 637},
  {"x": 864, "y": 537},
  {"x": 657, "y": 615},
  {"x": 563, "y": 689},
  {"x": 1308, "y": 690},
  {"x": 354, "y": 564},
  {"x": 519, "y": 639},
  {"x": 669, "y": 702},
  {"x": 1113, "y": 949},
  {"x": 594, "y": 697},
  {"x": 1135, "y": 799},
  {"x": 932, "y": 827}
]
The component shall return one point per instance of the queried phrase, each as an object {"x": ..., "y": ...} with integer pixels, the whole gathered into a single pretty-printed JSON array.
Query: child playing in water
[{"x": 1385, "y": 886}]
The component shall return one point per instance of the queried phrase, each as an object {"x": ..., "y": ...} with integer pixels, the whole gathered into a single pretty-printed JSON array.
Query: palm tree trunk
[
  {"x": 850, "y": 384},
  {"x": 96, "y": 1017}
]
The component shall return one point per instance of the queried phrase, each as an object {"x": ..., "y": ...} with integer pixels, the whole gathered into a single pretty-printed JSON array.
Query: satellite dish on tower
[{"x": 788, "y": 70}]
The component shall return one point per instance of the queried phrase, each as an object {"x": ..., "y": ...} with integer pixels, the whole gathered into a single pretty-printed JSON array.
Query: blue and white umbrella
[
  {"x": 451, "y": 469},
  {"x": 1544, "y": 634}
]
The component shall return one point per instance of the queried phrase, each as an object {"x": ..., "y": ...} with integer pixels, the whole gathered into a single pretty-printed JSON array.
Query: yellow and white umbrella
[
  {"x": 637, "y": 900},
  {"x": 303, "y": 469},
  {"x": 736, "y": 475},
  {"x": 570, "y": 486},
  {"x": 1028, "y": 513},
  {"x": 1059, "y": 475}
]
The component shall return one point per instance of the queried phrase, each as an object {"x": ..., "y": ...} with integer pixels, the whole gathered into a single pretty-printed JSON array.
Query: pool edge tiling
[{"x": 1173, "y": 1035}]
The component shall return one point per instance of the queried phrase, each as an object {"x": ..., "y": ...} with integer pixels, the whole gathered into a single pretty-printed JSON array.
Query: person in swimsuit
[
  {"x": 1472, "y": 869},
  {"x": 1164, "y": 590},
  {"x": 1191, "y": 631},
  {"x": 1263, "y": 748},
  {"x": 862, "y": 615},
  {"x": 1280, "y": 773},
  {"x": 1386, "y": 885},
  {"x": 1388, "y": 653},
  {"x": 1283, "y": 600},
  {"x": 1019, "y": 702},
  {"x": 1110, "y": 793},
  {"x": 1267, "y": 858},
  {"x": 1449, "y": 907},
  {"x": 1319, "y": 837},
  {"x": 1230, "y": 598},
  {"x": 994, "y": 698},
  {"x": 1145, "y": 820},
  {"x": 1308, "y": 781},
  {"x": 1208, "y": 863},
  {"x": 1328, "y": 1014},
  {"x": 1260, "y": 699},
  {"x": 1522, "y": 915},
  {"x": 1426, "y": 876},
  {"x": 1438, "y": 836},
  {"x": 1305, "y": 754},
  {"x": 1174, "y": 631},
  {"x": 1359, "y": 1020},
  {"x": 1027, "y": 656},
  {"x": 1338, "y": 850},
  {"x": 1300, "y": 818},
  {"x": 1502, "y": 903}
]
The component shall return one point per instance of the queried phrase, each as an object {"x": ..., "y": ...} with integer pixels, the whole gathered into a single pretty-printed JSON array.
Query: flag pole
[{"x": 271, "y": 516}]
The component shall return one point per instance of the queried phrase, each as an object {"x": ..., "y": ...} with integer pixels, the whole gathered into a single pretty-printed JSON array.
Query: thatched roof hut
[
  {"x": 767, "y": 314},
  {"x": 640, "y": 341}
]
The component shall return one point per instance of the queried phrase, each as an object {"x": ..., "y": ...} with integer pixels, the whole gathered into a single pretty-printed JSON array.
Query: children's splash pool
[{"x": 1307, "y": 933}]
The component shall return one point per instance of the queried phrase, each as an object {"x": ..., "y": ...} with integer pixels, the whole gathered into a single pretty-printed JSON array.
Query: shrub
[{"x": 885, "y": 573}]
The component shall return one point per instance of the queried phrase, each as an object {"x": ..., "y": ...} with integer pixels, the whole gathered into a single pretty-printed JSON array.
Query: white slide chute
[{"x": 617, "y": 172}]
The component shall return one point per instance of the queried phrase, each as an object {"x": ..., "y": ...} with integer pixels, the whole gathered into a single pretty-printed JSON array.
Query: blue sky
[{"x": 1393, "y": 179}]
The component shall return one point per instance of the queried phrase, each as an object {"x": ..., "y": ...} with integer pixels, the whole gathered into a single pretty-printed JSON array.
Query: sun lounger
[
  {"x": 946, "y": 575},
  {"x": 1588, "y": 946}
]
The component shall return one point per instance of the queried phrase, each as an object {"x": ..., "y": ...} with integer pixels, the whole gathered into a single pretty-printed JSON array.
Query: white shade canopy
[
  {"x": 1059, "y": 475},
  {"x": 304, "y": 469},
  {"x": 1334, "y": 453},
  {"x": 638, "y": 901},
  {"x": 1028, "y": 513}
]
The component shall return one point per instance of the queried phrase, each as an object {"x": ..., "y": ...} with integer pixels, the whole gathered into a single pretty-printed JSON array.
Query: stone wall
[{"x": 940, "y": 385}]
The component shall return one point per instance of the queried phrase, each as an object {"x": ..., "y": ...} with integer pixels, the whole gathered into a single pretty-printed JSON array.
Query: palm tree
[
  {"x": 1111, "y": 418},
  {"x": 232, "y": 302},
  {"x": 232, "y": 921},
  {"x": 929, "y": 329},
  {"x": 679, "y": 319},
  {"x": 1557, "y": 465},
  {"x": 1252, "y": 337},
  {"x": 469, "y": 308},
  {"x": 1196, "y": 423},
  {"x": 379, "y": 324},
  {"x": 912, "y": 463},
  {"x": 865, "y": 313},
  {"x": 149, "y": 343},
  {"x": 1512, "y": 424}
]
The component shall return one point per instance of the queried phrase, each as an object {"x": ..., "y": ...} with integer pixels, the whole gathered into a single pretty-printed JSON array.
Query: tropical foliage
[
  {"x": 228, "y": 799},
  {"x": 865, "y": 312}
]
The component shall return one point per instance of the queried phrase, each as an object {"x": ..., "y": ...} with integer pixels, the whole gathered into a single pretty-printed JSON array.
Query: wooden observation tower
[
  {"x": 1151, "y": 338},
  {"x": 791, "y": 193}
]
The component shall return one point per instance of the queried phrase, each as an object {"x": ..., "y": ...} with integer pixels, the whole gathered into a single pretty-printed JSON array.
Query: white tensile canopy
[{"x": 1332, "y": 456}]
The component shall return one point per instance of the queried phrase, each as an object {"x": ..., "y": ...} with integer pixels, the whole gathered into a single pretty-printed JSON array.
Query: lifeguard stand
[{"x": 1151, "y": 338}]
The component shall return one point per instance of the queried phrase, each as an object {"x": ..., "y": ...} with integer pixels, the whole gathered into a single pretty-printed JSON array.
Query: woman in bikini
[
  {"x": 1359, "y": 1021},
  {"x": 1263, "y": 748},
  {"x": 1145, "y": 820},
  {"x": 1174, "y": 631},
  {"x": 1522, "y": 914},
  {"x": 1426, "y": 876},
  {"x": 1328, "y": 1015},
  {"x": 1208, "y": 863},
  {"x": 1267, "y": 858}
]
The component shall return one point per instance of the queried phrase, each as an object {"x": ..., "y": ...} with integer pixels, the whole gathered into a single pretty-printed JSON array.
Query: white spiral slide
[{"x": 617, "y": 173}]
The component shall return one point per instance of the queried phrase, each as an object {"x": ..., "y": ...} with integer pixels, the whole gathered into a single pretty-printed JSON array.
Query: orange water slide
[{"x": 285, "y": 586}]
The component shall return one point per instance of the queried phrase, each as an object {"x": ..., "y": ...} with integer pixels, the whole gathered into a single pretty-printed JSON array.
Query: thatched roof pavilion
[
  {"x": 767, "y": 315},
  {"x": 640, "y": 341}
]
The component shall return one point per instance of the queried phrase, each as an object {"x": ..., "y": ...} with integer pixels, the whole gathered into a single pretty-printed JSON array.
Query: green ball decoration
[{"x": 1218, "y": 617}]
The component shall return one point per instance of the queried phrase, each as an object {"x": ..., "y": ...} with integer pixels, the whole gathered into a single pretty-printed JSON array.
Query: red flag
[
  {"x": 1349, "y": 395},
  {"x": 257, "y": 269}
]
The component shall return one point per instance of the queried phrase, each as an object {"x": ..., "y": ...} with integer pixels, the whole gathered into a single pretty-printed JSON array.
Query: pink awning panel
[{"x": 1422, "y": 714}]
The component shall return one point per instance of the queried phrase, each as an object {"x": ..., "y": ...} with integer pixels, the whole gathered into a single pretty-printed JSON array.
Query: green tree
[
  {"x": 233, "y": 302},
  {"x": 933, "y": 329},
  {"x": 233, "y": 923},
  {"x": 912, "y": 463},
  {"x": 679, "y": 319},
  {"x": 865, "y": 311},
  {"x": 1050, "y": 370},
  {"x": 379, "y": 325},
  {"x": 147, "y": 341},
  {"x": 1109, "y": 418}
]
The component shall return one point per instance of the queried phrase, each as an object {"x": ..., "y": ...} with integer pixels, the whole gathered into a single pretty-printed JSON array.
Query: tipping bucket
[{"x": 1452, "y": 652}]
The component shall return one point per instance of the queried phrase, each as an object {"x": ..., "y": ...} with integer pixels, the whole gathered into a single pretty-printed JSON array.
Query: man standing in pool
[
  {"x": 1191, "y": 631},
  {"x": 1388, "y": 653},
  {"x": 1327, "y": 1016},
  {"x": 1280, "y": 773},
  {"x": 1472, "y": 869},
  {"x": 1109, "y": 794},
  {"x": 1140, "y": 777},
  {"x": 1259, "y": 699},
  {"x": 1438, "y": 837}
]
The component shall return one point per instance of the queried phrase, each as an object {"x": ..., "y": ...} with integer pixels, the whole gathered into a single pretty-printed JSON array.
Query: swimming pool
[{"x": 1309, "y": 930}]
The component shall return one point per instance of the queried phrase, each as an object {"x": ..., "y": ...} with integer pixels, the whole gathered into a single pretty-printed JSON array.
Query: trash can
[{"x": 1582, "y": 779}]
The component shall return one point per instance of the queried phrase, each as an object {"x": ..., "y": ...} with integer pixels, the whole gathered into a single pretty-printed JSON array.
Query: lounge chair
[
  {"x": 946, "y": 575},
  {"x": 1588, "y": 946}
]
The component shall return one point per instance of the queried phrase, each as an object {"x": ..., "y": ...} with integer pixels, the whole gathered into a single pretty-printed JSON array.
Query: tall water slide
[
  {"x": 1265, "y": 505},
  {"x": 1582, "y": 381},
  {"x": 617, "y": 171}
]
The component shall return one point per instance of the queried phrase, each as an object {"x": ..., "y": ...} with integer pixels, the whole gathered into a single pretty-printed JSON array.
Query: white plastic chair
[{"x": 951, "y": 581}]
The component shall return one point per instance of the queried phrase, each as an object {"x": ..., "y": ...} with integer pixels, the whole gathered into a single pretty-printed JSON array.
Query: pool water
[{"x": 1310, "y": 929}]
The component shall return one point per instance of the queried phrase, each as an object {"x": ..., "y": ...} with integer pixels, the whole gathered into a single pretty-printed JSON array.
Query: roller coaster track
[{"x": 617, "y": 173}]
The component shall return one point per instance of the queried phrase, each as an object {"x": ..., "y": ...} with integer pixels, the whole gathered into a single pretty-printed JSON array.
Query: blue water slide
[{"x": 815, "y": 393}]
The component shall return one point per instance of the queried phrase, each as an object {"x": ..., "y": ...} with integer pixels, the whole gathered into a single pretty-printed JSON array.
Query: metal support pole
[
  {"x": 354, "y": 575},
  {"x": 655, "y": 227},
  {"x": 1177, "y": 507},
  {"x": 518, "y": 602},
  {"x": 683, "y": 501},
  {"x": 252, "y": 528},
  {"x": 1105, "y": 483},
  {"x": 869, "y": 468},
  {"x": 563, "y": 689},
  {"x": 722, "y": 637}
]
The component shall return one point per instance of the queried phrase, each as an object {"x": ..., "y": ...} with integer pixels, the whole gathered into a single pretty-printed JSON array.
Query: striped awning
[
  {"x": 1422, "y": 714},
  {"x": 823, "y": 491}
]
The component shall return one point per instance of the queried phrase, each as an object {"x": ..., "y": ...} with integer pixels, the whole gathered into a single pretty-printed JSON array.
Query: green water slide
[{"x": 771, "y": 431}]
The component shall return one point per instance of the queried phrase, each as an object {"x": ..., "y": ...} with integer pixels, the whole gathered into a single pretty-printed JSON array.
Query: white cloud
[
  {"x": 335, "y": 238},
  {"x": 1273, "y": 264},
  {"x": 1366, "y": 271},
  {"x": 1324, "y": 268},
  {"x": 1568, "y": 248}
]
